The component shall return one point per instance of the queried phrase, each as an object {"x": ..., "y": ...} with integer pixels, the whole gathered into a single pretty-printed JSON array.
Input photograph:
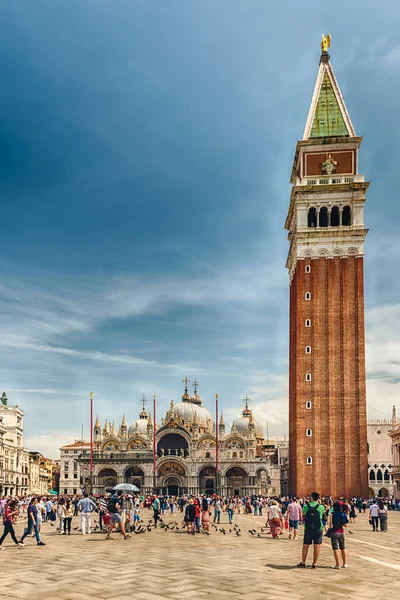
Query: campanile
[{"x": 326, "y": 233}]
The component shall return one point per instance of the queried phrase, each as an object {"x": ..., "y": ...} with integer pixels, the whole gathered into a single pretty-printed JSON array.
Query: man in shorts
[
  {"x": 294, "y": 515},
  {"x": 313, "y": 529},
  {"x": 114, "y": 507}
]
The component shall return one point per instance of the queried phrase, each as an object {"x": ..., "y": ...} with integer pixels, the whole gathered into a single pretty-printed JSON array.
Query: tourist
[
  {"x": 86, "y": 506},
  {"x": 60, "y": 512},
  {"x": 32, "y": 523},
  {"x": 68, "y": 512},
  {"x": 274, "y": 516},
  {"x": 189, "y": 516},
  {"x": 217, "y": 509},
  {"x": 156, "y": 509},
  {"x": 338, "y": 520},
  {"x": 374, "y": 516},
  {"x": 294, "y": 516},
  {"x": 205, "y": 515},
  {"x": 231, "y": 508},
  {"x": 352, "y": 513},
  {"x": 383, "y": 515},
  {"x": 114, "y": 507},
  {"x": 102, "y": 506},
  {"x": 196, "y": 522},
  {"x": 49, "y": 509},
  {"x": 313, "y": 529},
  {"x": 9, "y": 512}
]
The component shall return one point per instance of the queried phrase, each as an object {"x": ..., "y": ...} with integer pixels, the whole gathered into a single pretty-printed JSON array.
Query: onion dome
[
  {"x": 247, "y": 423},
  {"x": 140, "y": 425},
  {"x": 191, "y": 410}
]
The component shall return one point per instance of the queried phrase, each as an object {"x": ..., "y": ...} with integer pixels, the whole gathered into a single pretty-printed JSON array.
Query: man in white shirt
[{"x": 374, "y": 516}]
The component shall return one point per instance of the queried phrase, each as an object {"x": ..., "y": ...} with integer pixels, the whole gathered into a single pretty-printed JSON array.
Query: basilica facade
[{"x": 185, "y": 458}]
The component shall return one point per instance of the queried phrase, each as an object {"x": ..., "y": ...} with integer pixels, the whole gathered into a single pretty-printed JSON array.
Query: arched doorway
[
  {"x": 135, "y": 476},
  {"x": 208, "y": 480},
  {"x": 172, "y": 485},
  {"x": 383, "y": 493},
  {"x": 107, "y": 479},
  {"x": 173, "y": 444},
  {"x": 237, "y": 481},
  {"x": 172, "y": 477}
]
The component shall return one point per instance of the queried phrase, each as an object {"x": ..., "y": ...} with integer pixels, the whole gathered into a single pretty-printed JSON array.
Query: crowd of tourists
[{"x": 128, "y": 513}]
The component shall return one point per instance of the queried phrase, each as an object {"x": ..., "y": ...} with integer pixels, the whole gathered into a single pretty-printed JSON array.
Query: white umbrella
[{"x": 125, "y": 487}]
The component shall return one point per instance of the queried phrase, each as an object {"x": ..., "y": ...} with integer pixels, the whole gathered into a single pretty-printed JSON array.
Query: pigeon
[{"x": 237, "y": 533}]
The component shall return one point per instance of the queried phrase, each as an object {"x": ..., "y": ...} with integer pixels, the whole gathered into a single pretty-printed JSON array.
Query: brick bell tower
[{"x": 327, "y": 401}]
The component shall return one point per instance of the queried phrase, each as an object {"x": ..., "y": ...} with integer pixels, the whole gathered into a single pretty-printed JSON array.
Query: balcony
[{"x": 334, "y": 179}]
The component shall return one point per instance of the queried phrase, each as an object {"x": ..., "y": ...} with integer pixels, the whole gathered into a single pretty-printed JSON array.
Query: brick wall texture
[{"x": 338, "y": 444}]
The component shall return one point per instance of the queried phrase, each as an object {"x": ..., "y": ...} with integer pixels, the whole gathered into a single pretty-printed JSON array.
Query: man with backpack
[
  {"x": 114, "y": 507},
  {"x": 313, "y": 512}
]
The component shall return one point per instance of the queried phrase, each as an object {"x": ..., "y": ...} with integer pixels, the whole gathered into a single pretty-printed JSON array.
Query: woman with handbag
[{"x": 274, "y": 516}]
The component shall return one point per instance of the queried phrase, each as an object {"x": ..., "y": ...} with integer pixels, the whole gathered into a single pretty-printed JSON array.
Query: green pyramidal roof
[{"x": 328, "y": 119}]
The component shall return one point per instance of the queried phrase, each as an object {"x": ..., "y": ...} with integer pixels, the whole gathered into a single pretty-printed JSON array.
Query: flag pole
[
  {"x": 91, "y": 442},
  {"x": 216, "y": 443},
  {"x": 154, "y": 442}
]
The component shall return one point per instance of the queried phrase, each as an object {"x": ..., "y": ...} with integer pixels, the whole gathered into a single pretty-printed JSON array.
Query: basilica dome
[
  {"x": 247, "y": 423},
  {"x": 140, "y": 425}
]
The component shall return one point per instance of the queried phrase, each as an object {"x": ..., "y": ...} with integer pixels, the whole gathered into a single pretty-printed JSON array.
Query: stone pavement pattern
[{"x": 171, "y": 565}]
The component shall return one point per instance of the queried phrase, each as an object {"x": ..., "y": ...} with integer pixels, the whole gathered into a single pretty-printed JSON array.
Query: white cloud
[{"x": 392, "y": 57}]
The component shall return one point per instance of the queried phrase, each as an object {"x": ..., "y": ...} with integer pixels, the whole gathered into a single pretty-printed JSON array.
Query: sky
[{"x": 146, "y": 150}]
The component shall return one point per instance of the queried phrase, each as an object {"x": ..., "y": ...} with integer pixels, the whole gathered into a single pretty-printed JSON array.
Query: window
[
  {"x": 241, "y": 454},
  {"x": 75, "y": 451},
  {"x": 308, "y": 269},
  {"x": 346, "y": 216},
  {"x": 308, "y": 322},
  {"x": 308, "y": 432},
  {"x": 309, "y": 460},
  {"x": 208, "y": 455},
  {"x": 75, "y": 475},
  {"x": 308, "y": 376},
  {"x": 308, "y": 349},
  {"x": 312, "y": 217},
  {"x": 234, "y": 455},
  {"x": 65, "y": 491},
  {"x": 74, "y": 491},
  {"x": 335, "y": 217},
  {"x": 323, "y": 217},
  {"x": 308, "y": 296},
  {"x": 308, "y": 404}
]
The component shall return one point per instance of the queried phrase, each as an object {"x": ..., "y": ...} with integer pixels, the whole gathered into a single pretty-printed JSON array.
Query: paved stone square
[{"x": 171, "y": 565}]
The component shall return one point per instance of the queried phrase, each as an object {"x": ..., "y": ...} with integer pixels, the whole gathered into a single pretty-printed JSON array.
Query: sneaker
[
  {"x": 313, "y": 566},
  {"x": 108, "y": 537},
  {"x": 41, "y": 544},
  {"x": 2, "y": 547},
  {"x": 21, "y": 543},
  {"x": 345, "y": 566},
  {"x": 335, "y": 567},
  {"x": 302, "y": 565},
  {"x": 126, "y": 537}
]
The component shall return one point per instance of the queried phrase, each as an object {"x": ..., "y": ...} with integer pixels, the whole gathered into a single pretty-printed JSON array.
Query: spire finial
[
  {"x": 186, "y": 381},
  {"x": 246, "y": 401},
  {"x": 326, "y": 42},
  {"x": 144, "y": 402},
  {"x": 195, "y": 385}
]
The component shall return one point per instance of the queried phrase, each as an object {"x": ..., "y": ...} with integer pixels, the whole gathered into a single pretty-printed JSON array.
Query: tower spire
[{"x": 328, "y": 115}]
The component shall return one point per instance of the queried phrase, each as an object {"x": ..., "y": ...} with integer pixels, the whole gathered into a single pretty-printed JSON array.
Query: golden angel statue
[{"x": 326, "y": 42}]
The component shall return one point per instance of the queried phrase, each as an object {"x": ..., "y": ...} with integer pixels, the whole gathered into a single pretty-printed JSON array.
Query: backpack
[
  {"x": 312, "y": 519},
  {"x": 111, "y": 505}
]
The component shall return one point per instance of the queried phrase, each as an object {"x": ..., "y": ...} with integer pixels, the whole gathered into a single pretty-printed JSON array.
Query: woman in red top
[{"x": 10, "y": 512}]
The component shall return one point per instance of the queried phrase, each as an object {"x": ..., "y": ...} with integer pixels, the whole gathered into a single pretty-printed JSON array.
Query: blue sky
[{"x": 146, "y": 153}]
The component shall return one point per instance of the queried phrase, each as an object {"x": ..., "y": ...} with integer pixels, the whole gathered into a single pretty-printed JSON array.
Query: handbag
[
  {"x": 53, "y": 516},
  {"x": 370, "y": 521},
  {"x": 329, "y": 532}
]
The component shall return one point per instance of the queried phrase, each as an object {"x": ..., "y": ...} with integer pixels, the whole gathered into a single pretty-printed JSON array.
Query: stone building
[
  {"x": 395, "y": 460},
  {"x": 327, "y": 402},
  {"x": 380, "y": 456},
  {"x": 15, "y": 456},
  {"x": 185, "y": 456},
  {"x": 38, "y": 475},
  {"x": 70, "y": 481}
]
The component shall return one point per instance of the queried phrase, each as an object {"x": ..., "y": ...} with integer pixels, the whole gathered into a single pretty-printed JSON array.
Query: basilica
[{"x": 180, "y": 456}]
